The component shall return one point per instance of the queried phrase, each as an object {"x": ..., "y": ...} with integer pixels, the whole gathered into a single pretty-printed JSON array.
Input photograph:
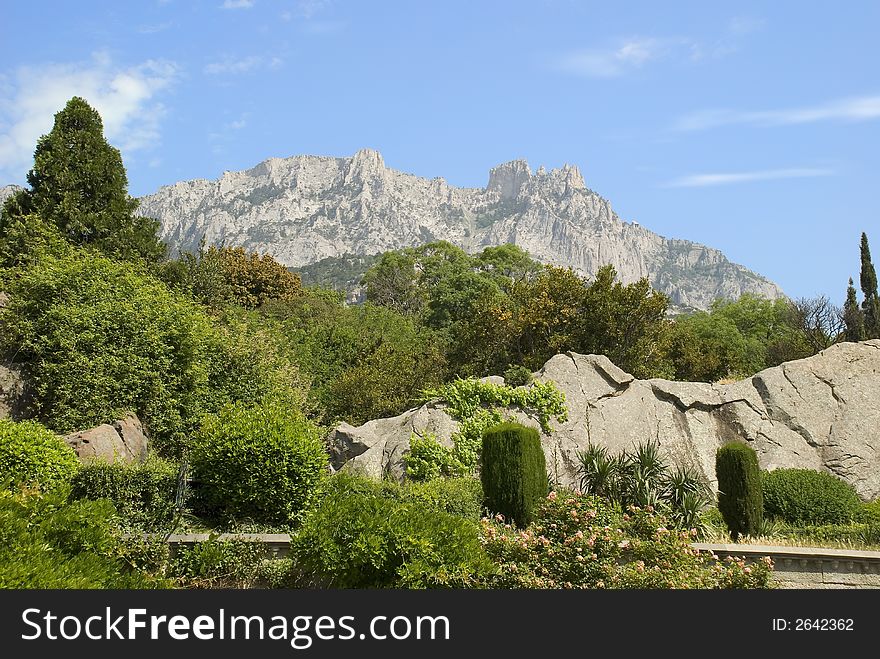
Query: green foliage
[
  {"x": 31, "y": 456},
  {"x": 870, "y": 512},
  {"x": 853, "y": 316},
  {"x": 262, "y": 463},
  {"x": 357, "y": 538},
  {"x": 805, "y": 496},
  {"x": 99, "y": 339},
  {"x": 581, "y": 541},
  {"x": 79, "y": 185},
  {"x": 513, "y": 471},
  {"x": 739, "y": 488},
  {"x": 46, "y": 542},
  {"x": 555, "y": 310},
  {"x": 220, "y": 275},
  {"x": 642, "y": 478},
  {"x": 462, "y": 497},
  {"x": 735, "y": 339},
  {"x": 143, "y": 494},
  {"x": 364, "y": 361},
  {"x": 478, "y": 405},
  {"x": 428, "y": 459},
  {"x": 856, "y": 534},
  {"x": 517, "y": 376},
  {"x": 221, "y": 564},
  {"x": 868, "y": 282}
]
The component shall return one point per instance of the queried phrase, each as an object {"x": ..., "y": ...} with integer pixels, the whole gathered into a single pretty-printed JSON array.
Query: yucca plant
[{"x": 600, "y": 472}]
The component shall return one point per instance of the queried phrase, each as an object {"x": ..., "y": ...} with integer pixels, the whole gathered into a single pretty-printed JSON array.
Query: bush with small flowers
[{"x": 580, "y": 541}]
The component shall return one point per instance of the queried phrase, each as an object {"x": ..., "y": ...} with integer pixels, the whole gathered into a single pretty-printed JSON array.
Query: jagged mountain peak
[{"x": 306, "y": 208}]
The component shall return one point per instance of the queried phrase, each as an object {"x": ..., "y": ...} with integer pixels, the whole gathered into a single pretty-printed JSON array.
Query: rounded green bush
[
  {"x": 805, "y": 496},
  {"x": 32, "y": 455},
  {"x": 358, "y": 538},
  {"x": 261, "y": 464}
]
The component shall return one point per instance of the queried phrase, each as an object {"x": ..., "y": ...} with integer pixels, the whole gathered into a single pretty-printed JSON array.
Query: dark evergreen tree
[
  {"x": 853, "y": 316},
  {"x": 78, "y": 184},
  {"x": 871, "y": 302}
]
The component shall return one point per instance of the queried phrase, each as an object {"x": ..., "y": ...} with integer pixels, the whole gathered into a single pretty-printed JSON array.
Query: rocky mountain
[
  {"x": 308, "y": 208},
  {"x": 816, "y": 413},
  {"x": 7, "y": 191}
]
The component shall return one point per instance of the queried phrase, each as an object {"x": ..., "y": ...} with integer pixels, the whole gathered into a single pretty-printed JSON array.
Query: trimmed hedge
[
  {"x": 32, "y": 455},
  {"x": 805, "y": 496},
  {"x": 143, "y": 494},
  {"x": 739, "y": 489},
  {"x": 261, "y": 464},
  {"x": 514, "y": 471}
]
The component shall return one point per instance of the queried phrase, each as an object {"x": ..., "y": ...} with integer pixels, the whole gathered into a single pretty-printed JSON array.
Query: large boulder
[
  {"x": 822, "y": 413},
  {"x": 121, "y": 441}
]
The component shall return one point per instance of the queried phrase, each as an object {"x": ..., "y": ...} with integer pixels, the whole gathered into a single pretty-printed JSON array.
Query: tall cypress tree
[
  {"x": 853, "y": 317},
  {"x": 868, "y": 281},
  {"x": 78, "y": 184}
]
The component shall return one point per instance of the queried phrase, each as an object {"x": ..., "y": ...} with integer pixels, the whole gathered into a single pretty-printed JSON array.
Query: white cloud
[
  {"x": 743, "y": 25},
  {"x": 705, "y": 180},
  {"x": 234, "y": 65},
  {"x": 154, "y": 28},
  {"x": 308, "y": 8},
  {"x": 237, "y": 4},
  {"x": 126, "y": 98},
  {"x": 861, "y": 108},
  {"x": 627, "y": 55}
]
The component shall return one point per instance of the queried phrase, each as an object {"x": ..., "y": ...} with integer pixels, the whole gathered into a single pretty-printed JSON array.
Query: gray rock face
[
  {"x": 306, "y": 208},
  {"x": 817, "y": 413},
  {"x": 13, "y": 394},
  {"x": 122, "y": 441}
]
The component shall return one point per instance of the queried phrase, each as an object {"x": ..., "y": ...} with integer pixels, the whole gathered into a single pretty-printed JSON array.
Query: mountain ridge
[{"x": 306, "y": 208}]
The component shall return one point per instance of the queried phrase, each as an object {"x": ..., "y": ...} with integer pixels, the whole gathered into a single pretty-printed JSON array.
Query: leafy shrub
[
  {"x": 462, "y": 497},
  {"x": 230, "y": 274},
  {"x": 143, "y": 495},
  {"x": 46, "y": 542},
  {"x": 805, "y": 496},
  {"x": 870, "y": 512},
  {"x": 739, "y": 488},
  {"x": 513, "y": 471},
  {"x": 218, "y": 564},
  {"x": 479, "y": 405},
  {"x": 100, "y": 338},
  {"x": 583, "y": 541},
  {"x": 428, "y": 459},
  {"x": 359, "y": 539},
  {"x": 260, "y": 463},
  {"x": 30, "y": 454},
  {"x": 517, "y": 376}
]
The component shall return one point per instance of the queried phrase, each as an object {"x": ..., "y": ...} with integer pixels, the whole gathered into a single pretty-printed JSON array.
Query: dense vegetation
[{"x": 237, "y": 369}]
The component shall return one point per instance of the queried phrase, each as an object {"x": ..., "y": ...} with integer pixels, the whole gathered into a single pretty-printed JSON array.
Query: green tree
[
  {"x": 871, "y": 301},
  {"x": 79, "y": 185},
  {"x": 853, "y": 316}
]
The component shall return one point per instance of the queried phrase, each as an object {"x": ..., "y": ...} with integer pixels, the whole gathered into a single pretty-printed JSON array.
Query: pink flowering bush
[{"x": 580, "y": 541}]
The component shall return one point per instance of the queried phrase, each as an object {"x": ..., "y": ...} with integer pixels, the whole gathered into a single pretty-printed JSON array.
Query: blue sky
[{"x": 753, "y": 127}]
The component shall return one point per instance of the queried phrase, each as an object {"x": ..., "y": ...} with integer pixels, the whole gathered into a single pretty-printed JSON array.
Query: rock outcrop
[
  {"x": 121, "y": 441},
  {"x": 13, "y": 394},
  {"x": 817, "y": 413},
  {"x": 308, "y": 208}
]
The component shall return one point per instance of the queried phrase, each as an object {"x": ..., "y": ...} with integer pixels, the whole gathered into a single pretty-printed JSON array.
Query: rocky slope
[
  {"x": 7, "y": 191},
  {"x": 307, "y": 208},
  {"x": 817, "y": 413}
]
